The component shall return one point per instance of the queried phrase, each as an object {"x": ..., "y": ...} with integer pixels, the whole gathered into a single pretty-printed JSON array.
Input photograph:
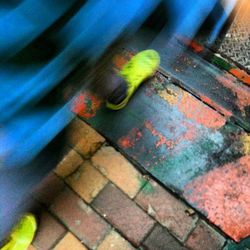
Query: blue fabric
[
  {"x": 28, "y": 20},
  {"x": 86, "y": 35}
]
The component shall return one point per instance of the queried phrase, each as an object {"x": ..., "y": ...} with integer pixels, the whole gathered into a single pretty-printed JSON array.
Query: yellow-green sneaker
[
  {"x": 22, "y": 234},
  {"x": 142, "y": 66}
]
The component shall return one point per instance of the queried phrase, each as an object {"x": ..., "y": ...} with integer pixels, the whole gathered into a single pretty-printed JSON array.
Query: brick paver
[
  {"x": 70, "y": 162},
  {"x": 48, "y": 233},
  {"x": 161, "y": 239},
  {"x": 114, "y": 241},
  {"x": 118, "y": 169},
  {"x": 87, "y": 181},
  {"x": 48, "y": 189},
  {"x": 166, "y": 209},
  {"x": 84, "y": 139},
  {"x": 85, "y": 223},
  {"x": 205, "y": 237},
  {"x": 123, "y": 214},
  {"x": 69, "y": 242}
]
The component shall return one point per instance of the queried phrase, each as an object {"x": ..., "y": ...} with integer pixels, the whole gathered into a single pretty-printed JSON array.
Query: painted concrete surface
[
  {"x": 188, "y": 146},
  {"x": 219, "y": 89}
]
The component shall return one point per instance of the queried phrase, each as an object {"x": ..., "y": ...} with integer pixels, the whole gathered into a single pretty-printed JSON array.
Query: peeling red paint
[
  {"x": 224, "y": 194},
  {"x": 190, "y": 134},
  {"x": 86, "y": 105},
  {"x": 241, "y": 75},
  {"x": 129, "y": 140},
  {"x": 162, "y": 140},
  {"x": 227, "y": 113},
  {"x": 242, "y": 93},
  {"x": 195, "y": 110}
]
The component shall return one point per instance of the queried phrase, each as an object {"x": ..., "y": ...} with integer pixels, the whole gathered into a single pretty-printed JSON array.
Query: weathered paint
[
  {"x": 201, "y": 78},
  {"x": 187, "y": 160},
  {"x": 178, "y": 146},
  {"x": 243, "y": 245},
  {"x": 242, "y": 93},
  {"x": 86, "y": 105},
  {"x": 168, "y": 95},
  {"x": 223, "y": 194},
  {"x": 241, "y": 75},
  {"x": 161, "y": 139},
  {"x": 227, "y": 113},
  {"x": 245, "y": 140},
  {"x": 148, "y": 188},
  {"x": 192, "y": 108},
  {"x": 143, "y": 180},
  {"x": 165, "y": 142},
  {"x": 195, "y": 110},
  {"x": 130, "y": 139},
  {"x": 217, "y": 60},
  {"x": 190, "y": 134}
]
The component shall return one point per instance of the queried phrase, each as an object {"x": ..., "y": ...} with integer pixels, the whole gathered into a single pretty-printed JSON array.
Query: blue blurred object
[{"x": 86, "y": 36}]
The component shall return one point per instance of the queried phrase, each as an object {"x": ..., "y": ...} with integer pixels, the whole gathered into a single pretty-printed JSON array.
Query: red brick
[
  {"x": 68, "y": 242},
  {"x": 205, "y": 237},
  {"x": 123, "y": 214},
  {"x": 83, "y": 138},
  {"x": 87, "y": 181},
  {"x": 161, "y": 239},
  {"x": 48, "y": 189},
  {"x": 70, "y": 162},
  {"x": 166, "y": 209},
  {"x": 80, "y": 218},
  {"x": 48, "y": 233},
  {"x": 118, "y": 169}
]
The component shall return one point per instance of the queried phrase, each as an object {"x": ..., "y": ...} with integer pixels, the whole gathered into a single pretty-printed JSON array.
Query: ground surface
[
  {"x": 195, "y": 146},
  {"x": 97, "y": 199}
]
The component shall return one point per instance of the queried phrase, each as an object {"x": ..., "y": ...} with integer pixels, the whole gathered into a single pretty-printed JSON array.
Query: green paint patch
[
  {"x": 220, "y": 62},
  {"x": 243, "y": 245},
  {"x": 143, "y": 181},
  {"x": 189, "y": 161},
  {"x": 178, "y": 170},
  {"x": 148, "y": 188}
]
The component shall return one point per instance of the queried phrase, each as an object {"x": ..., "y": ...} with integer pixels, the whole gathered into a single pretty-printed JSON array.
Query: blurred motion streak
[{"x": 86, "y": 36}]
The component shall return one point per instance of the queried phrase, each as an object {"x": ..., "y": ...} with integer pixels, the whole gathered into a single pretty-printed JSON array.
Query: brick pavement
[{"x": 96, "y": 199}]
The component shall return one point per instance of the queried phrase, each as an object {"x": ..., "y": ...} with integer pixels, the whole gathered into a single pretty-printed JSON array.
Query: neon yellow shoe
[
  {"x": 23, "y": 234},
  {"x": 142, "y": 66}
]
